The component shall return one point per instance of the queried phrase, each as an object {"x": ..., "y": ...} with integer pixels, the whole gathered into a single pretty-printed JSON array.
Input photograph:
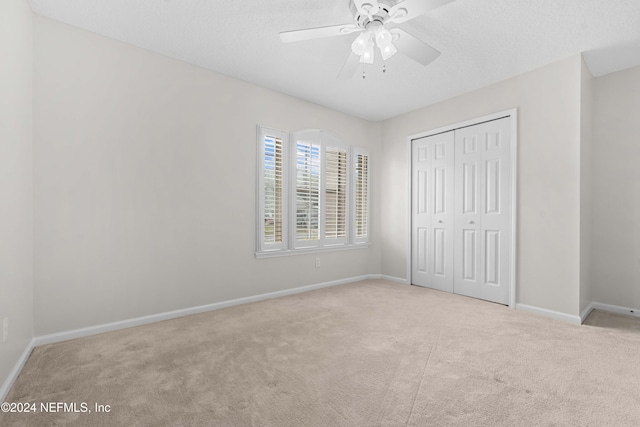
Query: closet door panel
[
  {"x": 468, "y": 268},
  {"x": 490, "y": 221},
  {"x": 432, "y": 211},
  {"x": 461, "y": 211}
]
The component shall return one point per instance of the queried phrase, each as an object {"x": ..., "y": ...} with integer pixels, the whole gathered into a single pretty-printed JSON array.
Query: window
[
  {"x": 307, "y": 192},
  {"x": 335, "y": 195},
  {"x": 313, "y": 193},
  {"x": 361, "y": 196},
  {"x": 272, "y": 200}
]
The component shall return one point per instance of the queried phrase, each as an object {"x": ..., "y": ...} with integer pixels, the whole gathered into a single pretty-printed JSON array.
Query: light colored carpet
[
  {"x": 605, "y": 319},
  {"x": 366, "y": 354}
]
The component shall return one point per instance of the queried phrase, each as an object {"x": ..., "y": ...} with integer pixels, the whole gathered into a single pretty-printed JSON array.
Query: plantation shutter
[
  {"x": 361, "y": 196},
  {"x": 312, "y": 193},
  {"x": 335, "y": 195},
  {"x": 307, "y": 194},
  {"x": 273, "y": 184},
  {"x": 273, "y": 189}
]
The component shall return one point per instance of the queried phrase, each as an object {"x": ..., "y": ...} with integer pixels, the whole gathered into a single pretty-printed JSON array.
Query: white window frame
[
  {"x": 290, "y": 245},
  {"x": 324, "y": 141},
  {"x": 312, "y": 137},
  {"x": 355, "y": 153},
  {"x": 331, "y": 142},
  {"x": 263, "y": 246}
]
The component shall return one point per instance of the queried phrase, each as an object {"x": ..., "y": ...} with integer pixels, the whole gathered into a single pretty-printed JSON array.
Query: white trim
[
  {"x": 262, "y": 132},
  {"x": 575, "y": 320},
  {"x": 329, "y": 142},
  {"x": 108, "y": 327},
  {"x": 409, "y": 198},
  {"x": 355, "y": 152},
  {"x": 138, "y": 321},
  {"x": 616, "y": 309},
  {"x": 312, "y": 250},
  {"x": 470, "y": 122},
  {"x": 123, "y": 324},
  {"x": 586, "y": 312},
  {"x": 395, "y": 279},
  {"x": 324, "y": 141},
  {"x": 389, "y": 278},
  {"x": 313, "y": 138},
  {"x": 13, "y": 375},
  {"x": 513, "y": 114},
  {"x": 514, "y": 205}
]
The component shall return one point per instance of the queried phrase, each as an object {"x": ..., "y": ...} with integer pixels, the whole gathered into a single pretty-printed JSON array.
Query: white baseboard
[
  {"x": 395, "y": 279},
  {"x": 550, "y": 313},
  {"x": 123, "y": 324},
  {"x": 586, "y": 312},
  {"x": 616, "y": 309},
  {"x": 13, "y": 375},
  {"x": 108, "y": 327},
  {"x": 114, "y": 326}
]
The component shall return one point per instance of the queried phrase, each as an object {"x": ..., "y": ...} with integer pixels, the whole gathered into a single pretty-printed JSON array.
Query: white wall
[
  {"x": 145, "y": 183},
  {"x": 142, "y": 205},
  {"x": 16, "y": 183},
  {"x": 586, "y": 186},
  {"x": 616, "y": 216},
  {"x": 548, "y": 102}
]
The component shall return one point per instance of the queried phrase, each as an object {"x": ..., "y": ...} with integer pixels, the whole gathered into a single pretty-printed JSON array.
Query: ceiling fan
[{"x": 370, "y": 20}]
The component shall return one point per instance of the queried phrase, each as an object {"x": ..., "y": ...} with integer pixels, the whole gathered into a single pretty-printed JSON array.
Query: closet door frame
[{"x": 513, "y": 114}]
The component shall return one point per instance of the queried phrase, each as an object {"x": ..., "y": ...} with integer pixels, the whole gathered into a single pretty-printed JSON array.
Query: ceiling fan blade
[
  {"x": 317, "y": 33},
  {"x": 415, "y": 49},
  {"x": 349, "y": 68},
  {"x": 367, "y": 7},
  {"x": 409, "y": 9}
]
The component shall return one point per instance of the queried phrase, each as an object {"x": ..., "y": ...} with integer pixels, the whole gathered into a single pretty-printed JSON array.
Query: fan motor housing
[{"x": 363, "y": 20}]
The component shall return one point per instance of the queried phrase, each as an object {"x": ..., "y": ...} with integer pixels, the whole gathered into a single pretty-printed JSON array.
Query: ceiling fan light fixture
[
  {"x": 367, "y": 55},
  {"x": 369, "y": 19},
  {"x": 388, "y": 51},
  {"x": 361, "y": 43},
  {"x": 383, "y": 36},
  {"x": 384, "y": 40}
]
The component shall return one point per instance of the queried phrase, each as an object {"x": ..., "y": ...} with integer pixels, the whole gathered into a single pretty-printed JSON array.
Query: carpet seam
[{"x": 415, "y": 397}]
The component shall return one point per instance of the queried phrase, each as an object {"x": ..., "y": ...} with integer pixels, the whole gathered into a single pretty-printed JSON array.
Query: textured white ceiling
[{"x": 482, "y": 42}]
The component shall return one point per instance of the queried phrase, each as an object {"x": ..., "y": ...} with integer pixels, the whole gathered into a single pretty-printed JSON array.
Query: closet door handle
[
  {"x": 470, "y": 222},
  {"x": 439, "y": 221}
]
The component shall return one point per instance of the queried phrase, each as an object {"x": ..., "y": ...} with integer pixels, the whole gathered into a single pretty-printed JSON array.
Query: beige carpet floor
[{"x": 372, "y": 353}]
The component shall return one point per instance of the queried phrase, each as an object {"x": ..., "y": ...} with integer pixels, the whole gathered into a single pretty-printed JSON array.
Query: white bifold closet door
[
  {"x": 432, "y": 218},
  {"x": 461, "y": 211}
]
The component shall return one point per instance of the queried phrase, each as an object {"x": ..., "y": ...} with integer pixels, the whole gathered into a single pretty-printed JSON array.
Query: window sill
[{"x": 290, "y": 252}]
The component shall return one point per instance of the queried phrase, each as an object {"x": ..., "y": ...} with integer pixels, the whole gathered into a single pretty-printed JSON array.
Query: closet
[{"x": 462, "y": 207}]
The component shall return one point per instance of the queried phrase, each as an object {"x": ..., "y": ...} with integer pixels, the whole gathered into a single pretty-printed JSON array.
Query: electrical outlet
[
  {"x": 317, "y": 262},
  {"x": 5, "y": 329}
]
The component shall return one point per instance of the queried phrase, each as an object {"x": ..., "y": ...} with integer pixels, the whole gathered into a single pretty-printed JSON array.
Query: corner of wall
[
  {"x": 586, "y": 187},
  {"x": 616, "y": 190},
  {"x": 16, "y": 188}
]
